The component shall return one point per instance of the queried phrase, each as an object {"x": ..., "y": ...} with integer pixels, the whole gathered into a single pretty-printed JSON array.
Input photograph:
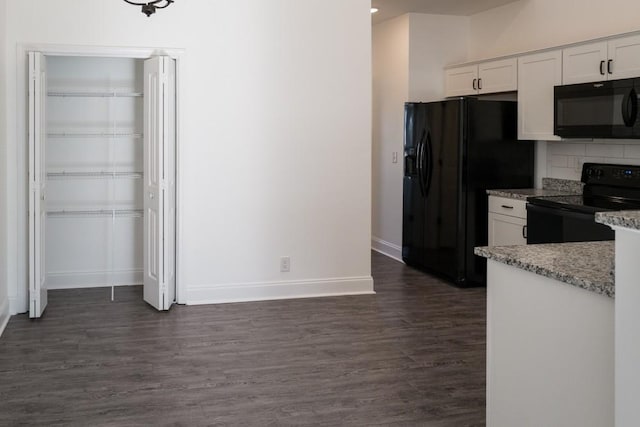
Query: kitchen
[
  {"x": 321, "y": 221},
  {"x": 495, "y": 38}
]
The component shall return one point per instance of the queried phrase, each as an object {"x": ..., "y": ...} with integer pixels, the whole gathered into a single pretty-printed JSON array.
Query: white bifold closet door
[
  {"x": 159, "y": 182},
  {"x": 159, "y": 187},
  {"x": 37, "y": 183}
]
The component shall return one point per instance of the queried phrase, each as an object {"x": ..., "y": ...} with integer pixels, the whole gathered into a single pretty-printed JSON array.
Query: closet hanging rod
[
  {"x": 118, "y": 213},
  {"x": 97, "y": 175},
  {"x": 61, "y": 94},
  {"x": 95, "y": 135}
]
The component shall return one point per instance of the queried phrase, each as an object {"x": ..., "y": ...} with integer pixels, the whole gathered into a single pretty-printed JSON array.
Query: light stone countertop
[
  {"x": 525, "y": 193},
  {"x": 627, "y": 219},
  {"x": 550, "y": 187},
  {"x": 587, "y": 265}
]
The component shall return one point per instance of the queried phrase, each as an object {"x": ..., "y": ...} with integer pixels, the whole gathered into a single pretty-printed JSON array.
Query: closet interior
[{"x": 93, "y": 158}]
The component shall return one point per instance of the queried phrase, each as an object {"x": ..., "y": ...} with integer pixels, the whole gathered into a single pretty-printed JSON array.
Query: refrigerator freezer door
[{"x": 413, "y": 191}]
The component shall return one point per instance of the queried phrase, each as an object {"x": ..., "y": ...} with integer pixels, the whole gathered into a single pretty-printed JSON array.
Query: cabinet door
[
  {"x": 537, "y": 75},
  {"x": 506, "y": 230},
  {"x": 624, "y": 54},
  {"x": 498, "y": 76},
  {"x": 461, "y": 81},
  {"x": 584, "y": 63}
]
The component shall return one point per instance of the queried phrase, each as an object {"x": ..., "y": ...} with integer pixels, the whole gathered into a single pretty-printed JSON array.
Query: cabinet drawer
[
  {"x": 505, "y": 230},
  {"x": 505, "y": 206}
]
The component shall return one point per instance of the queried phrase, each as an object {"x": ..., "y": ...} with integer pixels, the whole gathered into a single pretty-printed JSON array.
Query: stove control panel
[{"x": 615, "y": 175}]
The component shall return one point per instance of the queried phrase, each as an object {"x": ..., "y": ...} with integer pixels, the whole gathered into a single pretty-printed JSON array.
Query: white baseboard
[
  {"x": 387, "y": 248},
  {"x": 4, "y": 315},
  {"x": 265, "y": 291},
  {"x": 93, "y": 279}
]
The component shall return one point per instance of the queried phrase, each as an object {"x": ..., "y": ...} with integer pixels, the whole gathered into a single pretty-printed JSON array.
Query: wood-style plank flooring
[{"x": 414, "y": 354}]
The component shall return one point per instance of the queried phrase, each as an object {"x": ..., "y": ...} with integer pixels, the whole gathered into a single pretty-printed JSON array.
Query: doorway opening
[{"x": 102, "y": 175}]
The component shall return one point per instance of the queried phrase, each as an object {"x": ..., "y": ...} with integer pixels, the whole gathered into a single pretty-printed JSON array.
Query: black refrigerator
[{"x": 454, "y": 151}]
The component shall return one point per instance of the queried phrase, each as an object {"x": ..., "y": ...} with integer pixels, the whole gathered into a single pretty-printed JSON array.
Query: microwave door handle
[{"x": 630, "y": 108}]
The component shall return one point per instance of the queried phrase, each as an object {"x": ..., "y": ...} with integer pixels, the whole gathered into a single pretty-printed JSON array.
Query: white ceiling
[{"x": 391, "y": 8}]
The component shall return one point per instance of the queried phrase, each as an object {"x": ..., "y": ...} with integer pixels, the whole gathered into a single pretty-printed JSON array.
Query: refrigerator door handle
[
  {"x": 419, "y": 163},
  {"x": 429, "y": 174}
]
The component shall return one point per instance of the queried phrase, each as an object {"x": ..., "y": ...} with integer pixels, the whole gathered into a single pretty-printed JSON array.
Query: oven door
[
  {"x": 597, "y": 110},
  {"x": 556, "y": 225}
]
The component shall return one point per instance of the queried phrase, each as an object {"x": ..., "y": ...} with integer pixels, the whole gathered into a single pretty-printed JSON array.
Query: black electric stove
[{"x": 557, "y": 219}]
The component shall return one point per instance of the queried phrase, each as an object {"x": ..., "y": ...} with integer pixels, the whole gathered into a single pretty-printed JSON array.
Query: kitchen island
[
  {"x": 627, "y": 315},
  {"x": 550, "y": 334}
]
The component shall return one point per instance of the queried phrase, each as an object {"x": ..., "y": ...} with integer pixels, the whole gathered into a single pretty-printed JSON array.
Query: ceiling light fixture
[
  {"x": 149, "y": 7},
  {"x": 374, "y": 10}
]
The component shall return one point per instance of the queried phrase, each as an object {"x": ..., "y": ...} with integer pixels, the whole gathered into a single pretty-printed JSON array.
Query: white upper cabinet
[
  {"x": 537, "y": 75},
  {"x": 624, "y": 54},
  {"x": 617, "y": 58},
  {"x": 498, "y": 76},
  {"x": 486, "y": 77},
  {"x": 584, "y": 63},
  {"x": 461, "y": 81}
]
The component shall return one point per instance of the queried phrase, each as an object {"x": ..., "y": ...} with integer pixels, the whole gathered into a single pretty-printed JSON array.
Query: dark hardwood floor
[{"x": 414, "y": 354}]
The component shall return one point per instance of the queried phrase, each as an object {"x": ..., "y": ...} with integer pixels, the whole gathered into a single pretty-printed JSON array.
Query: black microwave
[{"x": 606, "y": 109}]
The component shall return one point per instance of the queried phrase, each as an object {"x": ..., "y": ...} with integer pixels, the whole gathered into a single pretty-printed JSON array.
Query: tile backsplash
[{"x": 565, "y": 159}]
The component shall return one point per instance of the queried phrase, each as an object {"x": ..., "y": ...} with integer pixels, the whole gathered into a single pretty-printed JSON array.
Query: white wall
[
  {"x": 434, "y": 41},
  {"x": 537, "y": 24},
  {"x": 409, "y": 53},
  {"x": 276, "y": 155},
  {"x": 390, "y": 92},
  {"x": 4, "y": 287}
]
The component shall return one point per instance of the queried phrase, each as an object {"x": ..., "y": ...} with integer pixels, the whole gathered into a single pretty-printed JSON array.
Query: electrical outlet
[
  {"x": 394, "y": 157},
  {"x": 285, "y": 264}
]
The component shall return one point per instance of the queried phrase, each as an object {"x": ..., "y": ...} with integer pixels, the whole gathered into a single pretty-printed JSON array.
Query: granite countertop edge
[
  {"x": 550, "y": 187},
  {"x": 606, "y": 289},
  {"x": 524, "y": 193},
  {"x": 626, "y": 219}
]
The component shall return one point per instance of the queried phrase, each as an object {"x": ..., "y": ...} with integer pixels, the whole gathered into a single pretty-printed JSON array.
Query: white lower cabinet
[{"x": 507, "y": 222}]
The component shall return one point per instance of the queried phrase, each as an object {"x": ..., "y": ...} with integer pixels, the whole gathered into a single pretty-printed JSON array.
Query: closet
[{"x": 102, "y": 176}]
